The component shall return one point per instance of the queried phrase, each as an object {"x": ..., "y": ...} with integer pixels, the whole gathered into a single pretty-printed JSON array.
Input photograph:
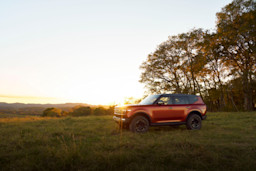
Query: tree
[
  {"x": 215, "y": 72},
  {"x": 81, "y": 111},
  {"x": 220, "y": 65},
  {"x": 175, "y": 65},
  {"x": 236, "y": 36},
  {"x": 99, "y": 111},
  {"x": 52, "y": 112},
  {"x": 110, "y": 110}
]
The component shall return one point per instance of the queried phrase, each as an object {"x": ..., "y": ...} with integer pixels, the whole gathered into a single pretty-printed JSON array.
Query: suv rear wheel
[
  {"x": 139, "y": 124},
  {"x": 194, "y": 122}
]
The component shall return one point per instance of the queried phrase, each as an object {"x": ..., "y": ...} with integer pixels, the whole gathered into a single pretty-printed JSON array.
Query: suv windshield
[{"x": 149, "y": 100}]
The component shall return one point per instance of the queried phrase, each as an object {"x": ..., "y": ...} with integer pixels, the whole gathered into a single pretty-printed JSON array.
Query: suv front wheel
[
  {"x": 139, "y": 124},
  {"x": 194, "y": 122}
]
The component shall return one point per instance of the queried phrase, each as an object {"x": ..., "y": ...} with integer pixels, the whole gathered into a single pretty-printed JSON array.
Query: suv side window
[
  {"x": 180, "y": 100},
  {"x": 192, "y": 99},
  {"x": 165, "y": 99}
]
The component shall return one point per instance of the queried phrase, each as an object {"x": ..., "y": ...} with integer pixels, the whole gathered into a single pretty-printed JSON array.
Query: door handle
[
  {"x": 170, "y": 107},
  {"x": 188, "y": 107}
]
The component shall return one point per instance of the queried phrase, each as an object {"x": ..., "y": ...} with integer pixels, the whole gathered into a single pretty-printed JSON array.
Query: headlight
[
  {"x": 125, "y": 111},
  {"x": 121, "y": 111}
]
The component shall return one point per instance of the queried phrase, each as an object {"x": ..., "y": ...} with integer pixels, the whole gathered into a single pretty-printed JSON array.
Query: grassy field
[
  {"x": 227, "y": 141},
  {"x": 5, "y": 115}
]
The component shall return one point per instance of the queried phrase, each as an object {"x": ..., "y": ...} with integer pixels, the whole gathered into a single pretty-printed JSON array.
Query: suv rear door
[{"x": 180, "y": 107}]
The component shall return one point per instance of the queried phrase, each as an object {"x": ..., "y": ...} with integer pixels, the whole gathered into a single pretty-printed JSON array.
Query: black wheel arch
[
  {"x": 194, "y": 112},
  {"x": 142, "y": 114}
]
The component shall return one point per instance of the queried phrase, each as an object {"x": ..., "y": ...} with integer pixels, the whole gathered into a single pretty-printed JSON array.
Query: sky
[{"x": 87, "y": 51}]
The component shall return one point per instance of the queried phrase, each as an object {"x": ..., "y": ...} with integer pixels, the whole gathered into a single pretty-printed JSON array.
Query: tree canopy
[
  {"x": 52, "y": 112},
  {"x": 220, "y": 65}
]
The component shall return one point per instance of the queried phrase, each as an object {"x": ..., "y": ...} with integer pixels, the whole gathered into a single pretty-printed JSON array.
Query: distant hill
[
  {"x": 34, "y": 109},
  {"x": 23, "y": 105}
]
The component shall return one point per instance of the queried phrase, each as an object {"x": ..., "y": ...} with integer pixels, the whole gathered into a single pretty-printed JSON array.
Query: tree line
[
  {"x": 78, "y": 111},
  {"x": 218, "y": 65}
]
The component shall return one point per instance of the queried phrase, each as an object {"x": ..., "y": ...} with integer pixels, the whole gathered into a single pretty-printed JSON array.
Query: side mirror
[{"x": 160, "y": 103}]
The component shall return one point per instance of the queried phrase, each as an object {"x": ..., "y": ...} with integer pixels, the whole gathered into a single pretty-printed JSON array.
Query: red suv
[{"x": 162, "y": 110}]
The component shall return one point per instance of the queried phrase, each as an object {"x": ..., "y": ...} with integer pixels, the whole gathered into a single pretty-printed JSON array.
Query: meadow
[{"x": 227, "y": 141}]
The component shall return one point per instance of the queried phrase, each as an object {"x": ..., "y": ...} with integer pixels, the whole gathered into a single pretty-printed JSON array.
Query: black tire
[
  {"x": 139, "y": 124},
  {"x": 194, "y": 122}
]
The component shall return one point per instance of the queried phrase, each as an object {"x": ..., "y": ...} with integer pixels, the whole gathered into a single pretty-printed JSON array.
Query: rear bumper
[
  {"x": 121, "y": 119},
  {"x": 204, "y": 117}
]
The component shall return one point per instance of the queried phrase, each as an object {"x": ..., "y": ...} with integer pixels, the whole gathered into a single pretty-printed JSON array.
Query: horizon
[
  {"x": 38, "y": 100},
  {"x": 86, "y": 51}
]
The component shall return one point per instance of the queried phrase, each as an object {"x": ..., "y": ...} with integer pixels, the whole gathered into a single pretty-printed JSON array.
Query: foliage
[
  {"x": 81, "y": 111},
  {"x": 226, "y": 141},
  {"x": 52, "y": 112},
  {"x": 99, "y": 111},
  {"x": 132, "y": 100},
  {"x": 210, "y": 64},
  {"x": 236, "y": 37},
  {"x": 110, "y": 110}
]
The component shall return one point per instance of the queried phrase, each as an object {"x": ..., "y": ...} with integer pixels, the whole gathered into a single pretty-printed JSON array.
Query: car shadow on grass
[
  {"x": 118, "y": 131},
  {"x": 167, "y": 128}
]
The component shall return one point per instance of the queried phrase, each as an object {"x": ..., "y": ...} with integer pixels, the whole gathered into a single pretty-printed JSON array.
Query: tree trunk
[{"x": 247, "y": 92}]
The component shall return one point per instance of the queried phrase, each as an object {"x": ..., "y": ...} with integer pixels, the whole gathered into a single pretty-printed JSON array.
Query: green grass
[{"x": 227, "y": 141}]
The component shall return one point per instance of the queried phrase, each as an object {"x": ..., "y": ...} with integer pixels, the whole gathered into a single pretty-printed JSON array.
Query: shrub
[
  {"x": 52, "y": 112},
  {"x": 110, "y": 110},
  {"x": 81, "y": 111},
  {"x": 99, "y": 111}
]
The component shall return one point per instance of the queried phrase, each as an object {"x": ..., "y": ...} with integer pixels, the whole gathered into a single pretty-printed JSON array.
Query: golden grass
[{"x": 26, "y": 119}]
